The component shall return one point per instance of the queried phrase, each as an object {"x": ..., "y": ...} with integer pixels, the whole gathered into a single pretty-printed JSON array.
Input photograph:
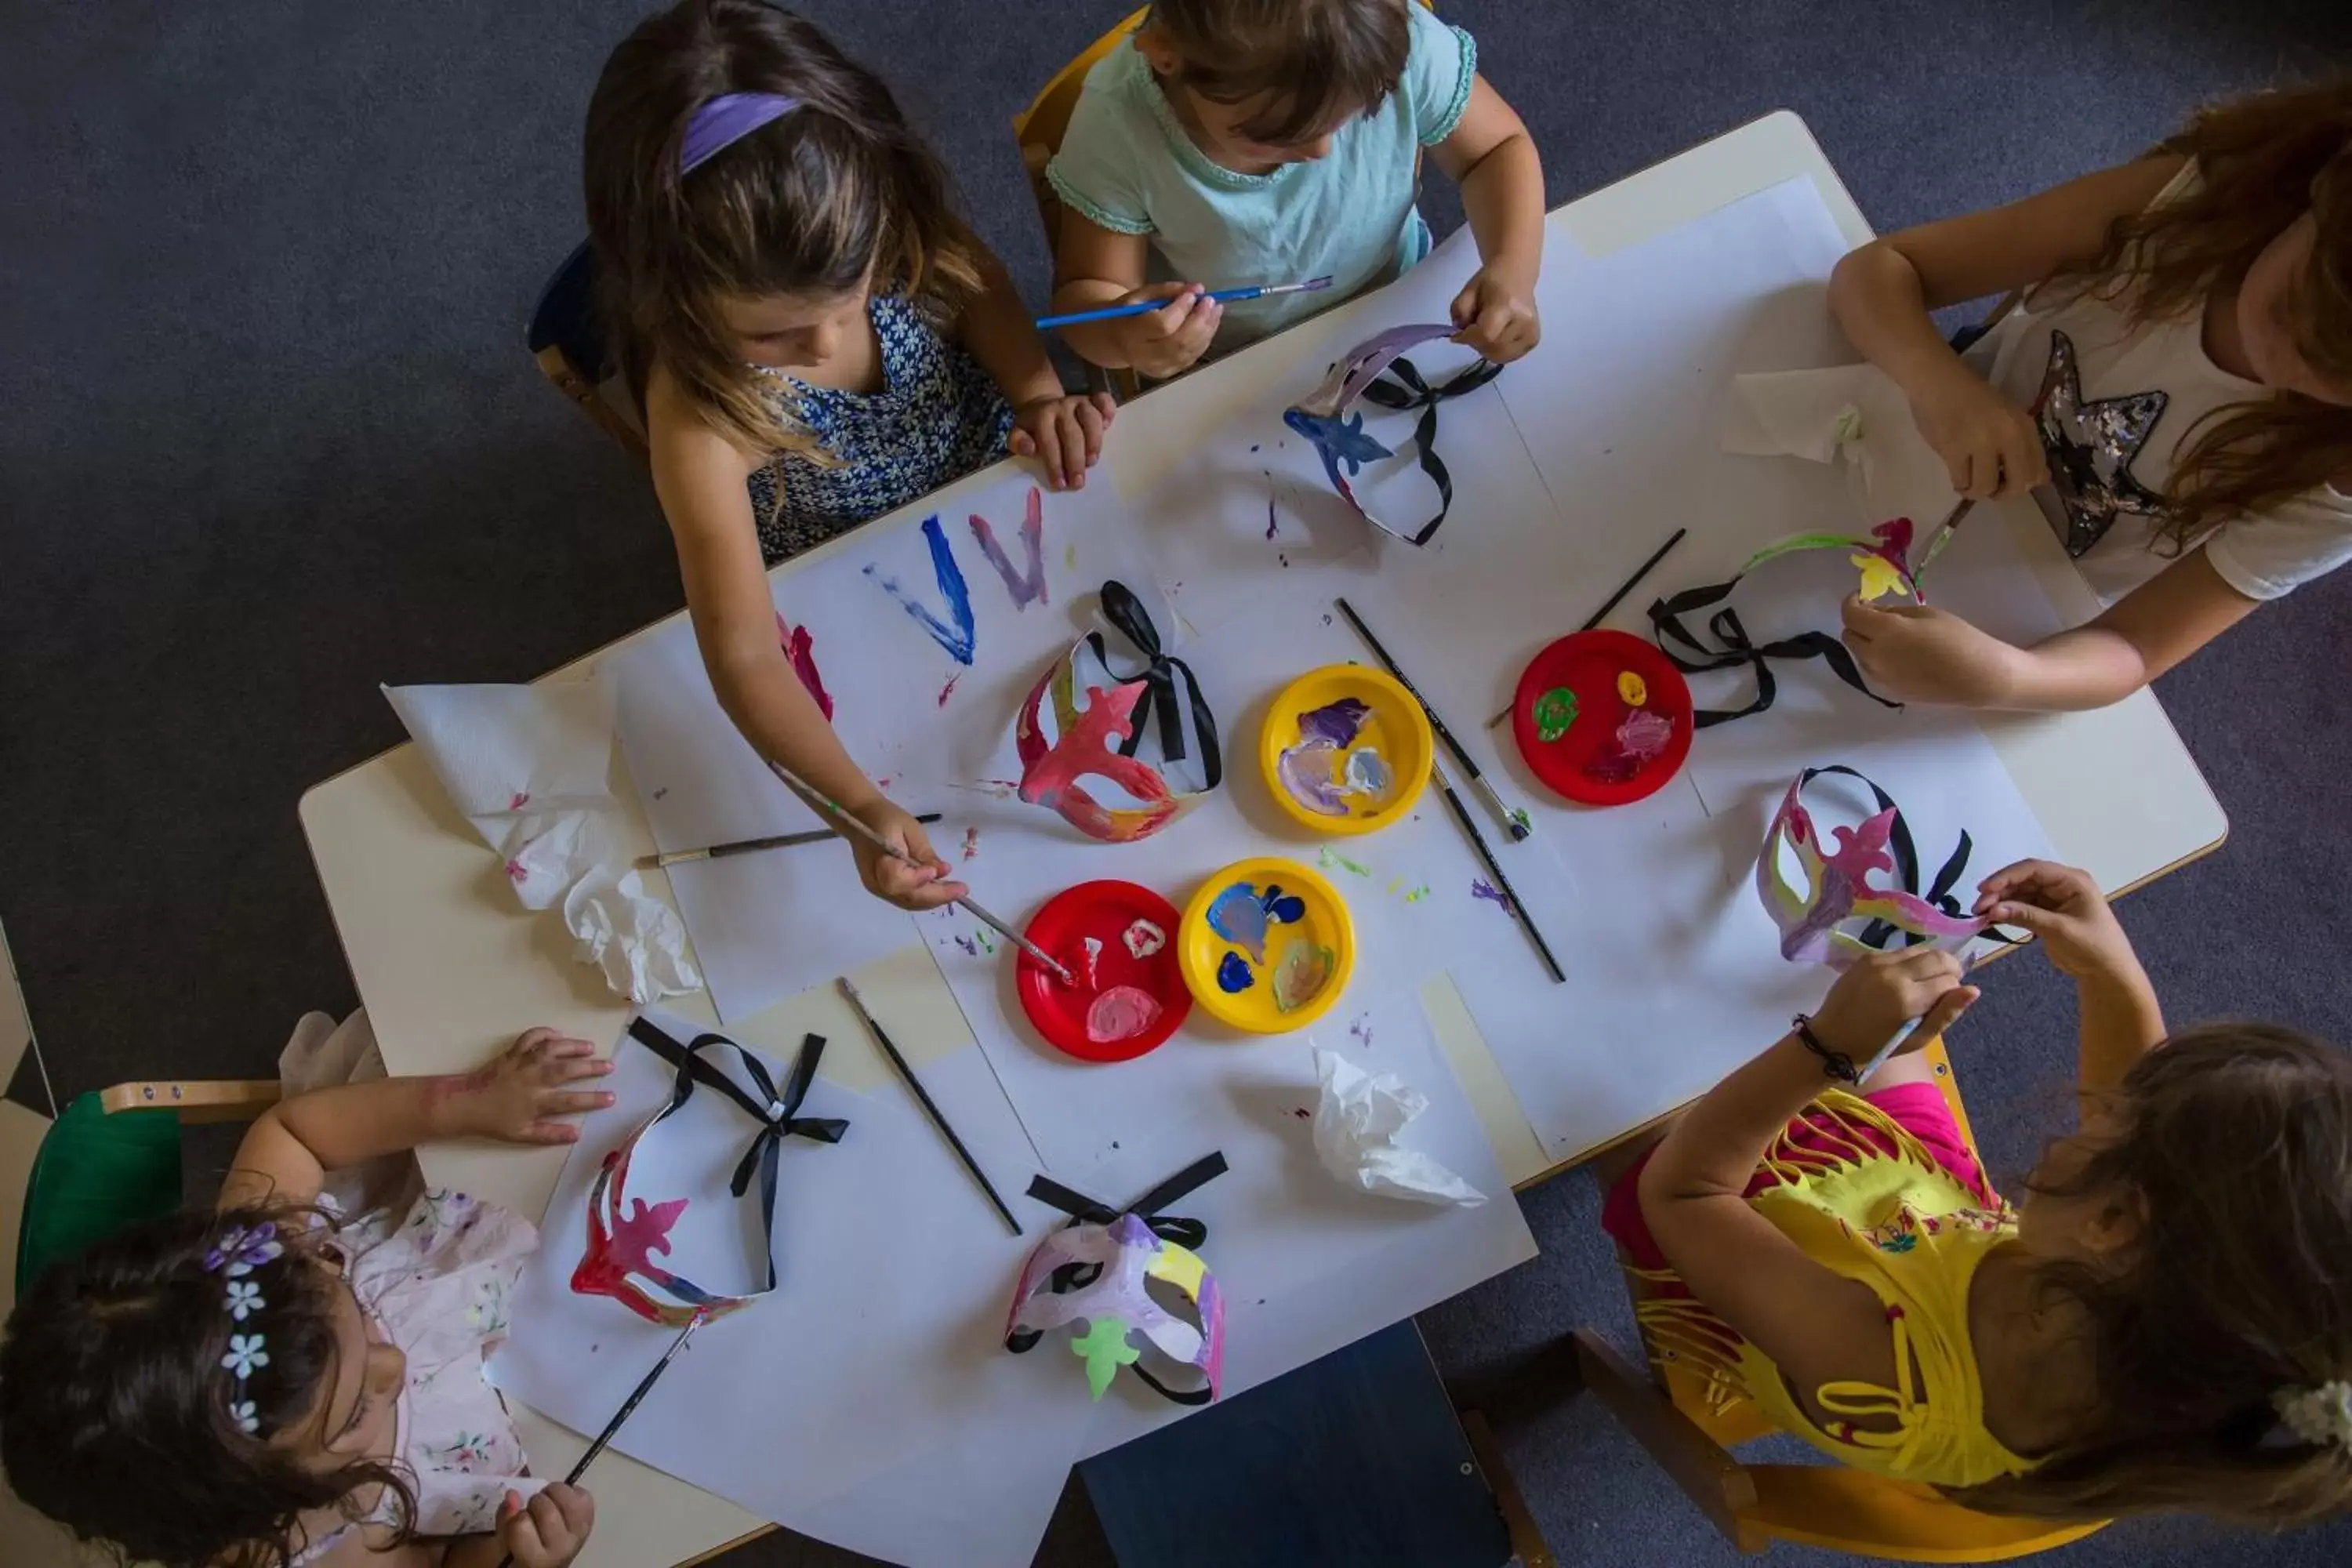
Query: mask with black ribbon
[
  {"x": 1133, "y": 1278},
  {"x": 623, "y": 1239},
  {"x": 1116, "y": 737},
  {"x": 1376, "y": 372}
]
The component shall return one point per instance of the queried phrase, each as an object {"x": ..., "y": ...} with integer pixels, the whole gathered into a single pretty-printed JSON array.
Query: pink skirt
[{"x": 1918, "y": 1109}]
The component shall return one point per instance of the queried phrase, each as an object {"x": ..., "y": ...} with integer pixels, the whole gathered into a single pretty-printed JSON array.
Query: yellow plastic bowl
[
  {"x": 1318, "y": 932},
  {"x": 1395, "y": 730}
]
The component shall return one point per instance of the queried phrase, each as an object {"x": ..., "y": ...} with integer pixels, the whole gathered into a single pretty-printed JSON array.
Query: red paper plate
[
  {"x": 1588, "y": 664},
  {"x": 1104, "y": 910}
]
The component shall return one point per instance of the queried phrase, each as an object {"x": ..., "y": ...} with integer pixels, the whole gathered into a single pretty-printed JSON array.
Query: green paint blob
[
  {"x": 1333, "y": 860},
  {"x": 1555, "y": 711}
]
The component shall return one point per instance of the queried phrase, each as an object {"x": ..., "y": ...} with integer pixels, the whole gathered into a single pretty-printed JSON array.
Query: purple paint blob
[
  {"x": 1337, "y": 723},
  {"x": 1481, "y": 889},
  {"x": 1305, "y": 770}
]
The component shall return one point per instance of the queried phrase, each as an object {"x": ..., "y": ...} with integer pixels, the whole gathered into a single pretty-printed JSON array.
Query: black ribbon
[
  {"x": 773, "y": 1111},
  {"x": 1938, "y": 892},
  {"x": 1737, "y": 648},
  {"x": 1124, "y": 611},
  {"x": 1412, "y": 391}
]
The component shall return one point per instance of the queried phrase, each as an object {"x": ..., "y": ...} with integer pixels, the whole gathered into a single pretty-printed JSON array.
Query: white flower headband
[
  {"x": 2320, "y": 1416},
  {"x": 241, "y": 1251}
]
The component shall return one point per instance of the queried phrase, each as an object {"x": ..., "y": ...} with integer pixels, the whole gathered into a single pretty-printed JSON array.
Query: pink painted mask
[
  {"x": 1840, "y": 913},
  {"x": 1119, "y": 752}
]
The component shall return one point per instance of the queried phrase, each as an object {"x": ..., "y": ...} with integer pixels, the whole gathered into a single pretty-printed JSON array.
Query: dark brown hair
[
  {"x": 2262, "y": 163},
  {"x": 2236, "y": 1140},
  {"x": 811, "y": 203},
  {"x": 1316, "y": 62},
  {"x": 115, "y": 1406}
]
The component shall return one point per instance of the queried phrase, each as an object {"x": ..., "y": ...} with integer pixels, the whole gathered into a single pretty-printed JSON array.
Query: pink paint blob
[{"x": 1121, "y": 1013}]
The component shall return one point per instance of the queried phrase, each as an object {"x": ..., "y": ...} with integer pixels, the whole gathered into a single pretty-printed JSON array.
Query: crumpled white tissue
[
  {"x": 636, "y": 939},
  {"x": 1356, "y": 1125},
  {"x": 529, "y": 766},
  {"x": 1852, "y": 413}
]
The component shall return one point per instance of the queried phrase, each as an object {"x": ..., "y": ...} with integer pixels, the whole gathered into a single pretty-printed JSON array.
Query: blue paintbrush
[{"x": 1223, "y": 296}]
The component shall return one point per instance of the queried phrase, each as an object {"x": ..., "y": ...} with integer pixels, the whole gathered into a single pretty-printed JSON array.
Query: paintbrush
[
  {"x": 1493, "y": 869},
  {"x": 1941, "y": 536},
  {"x": 1613, "y": 600},
  {"x": 810, "y": 793},
  {"x": 939, "y": 1118},
  {"x": 1518, "y": 829},
  {"x": 1145, "y": 307},
  {"x": 745, "y": 846},
  {"x": 628, "y": 1408}
]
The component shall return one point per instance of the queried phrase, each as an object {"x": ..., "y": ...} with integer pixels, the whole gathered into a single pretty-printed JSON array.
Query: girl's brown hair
[
  {"x": 115, "y": 1406},
  {"x": 2262, "y": 163},
  {"x": 1316, "y": 62},
  {"x": 2235, "y": 1142},
  {"x": 837, "y": 191}
]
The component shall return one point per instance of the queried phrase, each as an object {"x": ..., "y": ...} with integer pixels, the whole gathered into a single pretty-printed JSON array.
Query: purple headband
[{"x": 726, "y": 120}]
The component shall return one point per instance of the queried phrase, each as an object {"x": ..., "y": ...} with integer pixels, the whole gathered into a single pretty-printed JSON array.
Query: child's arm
[
  {"x": 2065, "y": 912},
  {"x": 1917, "y": 653},
  {"x": 699, "y": 476},
  {"x": 1881, "y": 295},
  {"x": 1816, "y": 1326},
  {"x": 288, "y": 1152},
  {"x": 1094, "y": 267},
  {"x": 1063, "y": 432},
  {"x": 1491, "y": 156}
]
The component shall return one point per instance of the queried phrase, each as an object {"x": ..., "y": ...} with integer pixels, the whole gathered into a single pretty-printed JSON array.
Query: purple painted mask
[
  {"x": 1838, "y": 914},
  {"x": 1339, "y": 438}
]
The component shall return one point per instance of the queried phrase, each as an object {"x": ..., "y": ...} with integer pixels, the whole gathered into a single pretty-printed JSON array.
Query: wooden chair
[
  {"x": 567, "y": 343},
  {"x": 1826, "y": 1505},
  {"x": 112, "y": 1159}
]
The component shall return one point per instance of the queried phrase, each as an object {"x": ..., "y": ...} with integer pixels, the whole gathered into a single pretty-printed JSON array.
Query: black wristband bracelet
[{"x": 1835, "y": 1064}]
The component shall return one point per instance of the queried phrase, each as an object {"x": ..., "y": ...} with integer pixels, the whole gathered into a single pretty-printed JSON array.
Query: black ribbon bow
[
  {"x": 1124, "y": 611},
  {"x": 775, "y": 1112},
  {"x": 1412, "y": 390},
  {"x": 1737, "y": 648}
]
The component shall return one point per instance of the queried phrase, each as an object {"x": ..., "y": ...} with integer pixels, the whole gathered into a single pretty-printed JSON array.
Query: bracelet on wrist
[{"x": 1835, "y": 1064}]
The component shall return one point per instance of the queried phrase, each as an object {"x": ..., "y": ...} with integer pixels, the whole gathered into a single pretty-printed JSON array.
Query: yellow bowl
[
  {"x": 1308, "y": 935},
  {"x": 1330, "y": 749}
]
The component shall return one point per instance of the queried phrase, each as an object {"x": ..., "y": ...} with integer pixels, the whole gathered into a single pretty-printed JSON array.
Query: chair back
[
  {"x": 94, "y": 1175},
  {"x": 1038, "y": 129},
  {"x": 566, "y": 340}
]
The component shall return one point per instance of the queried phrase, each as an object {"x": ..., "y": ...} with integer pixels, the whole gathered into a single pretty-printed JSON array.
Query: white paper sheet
[
  {"x": 877, "y": 1366},
  {"x": 770, "y": 924}
]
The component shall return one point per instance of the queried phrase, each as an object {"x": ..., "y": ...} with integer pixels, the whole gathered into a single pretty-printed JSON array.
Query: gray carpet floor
[{"x": 270, "y": 438}]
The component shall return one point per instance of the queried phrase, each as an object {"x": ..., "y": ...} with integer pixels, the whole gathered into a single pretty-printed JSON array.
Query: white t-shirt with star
[{"x": 2123, "y": 403}]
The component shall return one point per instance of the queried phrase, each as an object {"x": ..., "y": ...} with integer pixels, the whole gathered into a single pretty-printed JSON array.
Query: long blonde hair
[
  {"x": 2262, "y": 163},
  {"x": 815, "y": 201}
]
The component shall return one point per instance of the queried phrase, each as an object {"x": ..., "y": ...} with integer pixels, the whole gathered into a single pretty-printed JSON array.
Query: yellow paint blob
[{"x": 1633, "y": 688}]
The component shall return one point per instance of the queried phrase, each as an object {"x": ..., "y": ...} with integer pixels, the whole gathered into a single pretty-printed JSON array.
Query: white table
[{"x": 448, "y": 966}]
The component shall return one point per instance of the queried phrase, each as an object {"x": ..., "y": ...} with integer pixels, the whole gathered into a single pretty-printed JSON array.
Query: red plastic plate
[
  {"x": 1103, "y": 910},
  {"x": 1587, "y": 664}
]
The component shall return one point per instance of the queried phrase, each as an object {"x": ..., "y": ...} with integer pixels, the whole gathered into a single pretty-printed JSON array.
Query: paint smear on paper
[
  {"x": 1121, "y": 1013},
  {"x": 1026, "y": 587},
  {"x": 1303, "y": 969},
  {"x": 948, "y": 689},
  {"x": 1333, "y": 860},
  {"x": 971, "y": 842},
  {"x": 801, "y": 649},
  {"x": 1361, "y": 1031},
  {"x": 1415, "y": 895},
  {"x": 1482, "y": 889},
  {"x": 989, "y": 947},
  {"x": 956, "y": 633},
  {"x": 970, "y": 948},
  {"x": 1234, "y": 975},
  {"x": 994, "y": 789},
  {"x": 1069, "y": 557},
  {"x": 1327, "y": 618}
]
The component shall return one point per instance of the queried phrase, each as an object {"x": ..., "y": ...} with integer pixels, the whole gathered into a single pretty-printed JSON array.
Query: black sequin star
[{"x": 2091, "y": 447}]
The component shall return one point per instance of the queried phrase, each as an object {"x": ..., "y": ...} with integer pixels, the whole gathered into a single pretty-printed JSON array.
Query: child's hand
[
  {"x": 925, "y": 886},
  {"x": 1496, "y": 313},
  {"x": 1989, "y": 443},
  {"x": 1167, "y": 341},
  {"x": 1064, "y": 434},
  {"x": 1915, "y": 653},
  {"x": 519, "y": 1097},
  {"x": 1885, "y": 990},
  {"x": 2064, "y": 909},
  {"x": 548, "y": 1531}
]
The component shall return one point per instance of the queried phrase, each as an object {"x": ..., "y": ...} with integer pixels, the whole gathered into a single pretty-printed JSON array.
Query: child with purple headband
[
  {"x": 268, "y": 1383},
  {"x": 815, "y": 337}
]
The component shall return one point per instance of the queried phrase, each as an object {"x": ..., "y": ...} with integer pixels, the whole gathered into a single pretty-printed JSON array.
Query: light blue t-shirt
[{"x": 1127, "y": 165}]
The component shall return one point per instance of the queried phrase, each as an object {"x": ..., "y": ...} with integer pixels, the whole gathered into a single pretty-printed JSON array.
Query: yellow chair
[{"x": 1815, "y": 1505}]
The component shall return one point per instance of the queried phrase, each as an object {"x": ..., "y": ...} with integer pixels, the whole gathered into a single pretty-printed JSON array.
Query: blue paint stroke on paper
[
  {"x": 958, "y": 640},
  {"x": 1028, "y": 587}
]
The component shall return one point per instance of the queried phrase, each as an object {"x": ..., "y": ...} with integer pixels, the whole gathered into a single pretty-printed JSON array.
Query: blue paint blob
[
  {"x": 1281, "y": 909},
  {"x": 1237, "y": 915},
  {"x": 1234, "y": 975},
  {"x": 957, "y": 638}
]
